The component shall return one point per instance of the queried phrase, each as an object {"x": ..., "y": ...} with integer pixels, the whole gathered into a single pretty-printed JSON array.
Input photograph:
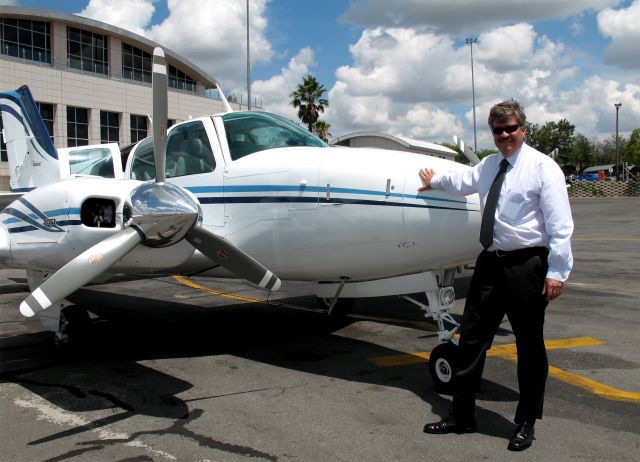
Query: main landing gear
[{"x": 441, "y": 297}]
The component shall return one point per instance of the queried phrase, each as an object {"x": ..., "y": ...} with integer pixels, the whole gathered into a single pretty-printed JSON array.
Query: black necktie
[{"x": 489, "y": 214}]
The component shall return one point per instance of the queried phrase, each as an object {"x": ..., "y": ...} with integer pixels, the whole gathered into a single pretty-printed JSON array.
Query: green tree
[
  {"x": 606, "y": 151},
  {"x": 307, "y": 98},
  {"x": 631, "y": 148},
  {"x": 553, "y": 135},
  {"x": 582, "y": 152},
  {"x": 321, "y": 129}
]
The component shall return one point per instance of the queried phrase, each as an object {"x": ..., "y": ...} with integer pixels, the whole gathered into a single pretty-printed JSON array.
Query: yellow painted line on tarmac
[
  {"x": 194, "y": 285},
  {"x": 508, "y": 351}
]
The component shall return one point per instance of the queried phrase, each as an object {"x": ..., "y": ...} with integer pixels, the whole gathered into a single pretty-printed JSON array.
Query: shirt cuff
[{"x": 558, "y": 276}]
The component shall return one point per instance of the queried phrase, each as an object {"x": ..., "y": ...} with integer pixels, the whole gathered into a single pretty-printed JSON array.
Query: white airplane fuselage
[{"x": 307, "y": 213}]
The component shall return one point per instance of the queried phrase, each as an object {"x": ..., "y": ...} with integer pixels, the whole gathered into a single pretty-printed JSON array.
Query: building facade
[{"x": 91, "y": 80}]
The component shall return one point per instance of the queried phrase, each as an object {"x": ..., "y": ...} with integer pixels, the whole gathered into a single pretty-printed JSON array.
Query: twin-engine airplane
[{"x": 237, "y": 194}]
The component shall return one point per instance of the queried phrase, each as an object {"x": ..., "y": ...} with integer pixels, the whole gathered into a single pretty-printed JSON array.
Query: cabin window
[
  {"x": 91, "y": 161},
  {"x": 143, "y": 166},
  {"x": 249, "y": 132},
  {"x": 189, "y": 151}
]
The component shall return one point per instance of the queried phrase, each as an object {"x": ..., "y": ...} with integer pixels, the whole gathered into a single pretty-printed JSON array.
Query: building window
[
  {"x": 87, "y": 51},
  {"x": 77, "y": 126},
  {"x": 180, "y": 80},
  {"x": 46, "y": 111},
  {"x": 25, "y": 39},
  {"x": 138, "y": 128},
  {"x": 109, "y": 127},
  {"x": 136, "y": 64}
]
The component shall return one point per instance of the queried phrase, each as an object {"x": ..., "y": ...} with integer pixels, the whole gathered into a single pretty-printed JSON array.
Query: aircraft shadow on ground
[{"x": 101, "y": 369}]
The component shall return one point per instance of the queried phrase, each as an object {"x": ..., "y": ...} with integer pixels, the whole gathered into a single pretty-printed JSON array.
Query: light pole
[
  {"x": 248, "y": 64},
  {"x": 470, "y": 42},
  {"x": 617, "y": 105}
]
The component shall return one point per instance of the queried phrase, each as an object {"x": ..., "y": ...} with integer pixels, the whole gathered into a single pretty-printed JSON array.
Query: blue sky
[{"x": 402, "y": 67}]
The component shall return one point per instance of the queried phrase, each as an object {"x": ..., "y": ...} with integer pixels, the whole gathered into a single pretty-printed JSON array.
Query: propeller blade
[
  {"x": 160, "y": 111},
  {"x": 232, "y": 258},
  {"x": 79, "y": 271},
  {"x": 466, "y": 150}
]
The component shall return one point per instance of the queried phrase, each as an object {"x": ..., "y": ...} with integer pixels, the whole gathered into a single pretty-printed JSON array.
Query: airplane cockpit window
[
  {"x": 249, "y": 132},
  {"x": 188, "y": 153},
  {"x": 91, "y": 161}
]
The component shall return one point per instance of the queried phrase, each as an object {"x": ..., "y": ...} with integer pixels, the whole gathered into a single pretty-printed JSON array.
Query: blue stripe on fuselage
[{"x": 201, "y": 190}]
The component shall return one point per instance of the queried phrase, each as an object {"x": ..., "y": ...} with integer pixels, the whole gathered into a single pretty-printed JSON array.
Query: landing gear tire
[
  {"x": 340, "y": 309},
  {"x": 442, "y": 366}
]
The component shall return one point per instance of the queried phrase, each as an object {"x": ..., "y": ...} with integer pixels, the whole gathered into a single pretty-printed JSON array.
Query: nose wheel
[{"x": 442, "y": 366}]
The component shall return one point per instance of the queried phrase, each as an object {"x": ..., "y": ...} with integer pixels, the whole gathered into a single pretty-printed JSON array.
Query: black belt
[{"x": 525, "y": 252}]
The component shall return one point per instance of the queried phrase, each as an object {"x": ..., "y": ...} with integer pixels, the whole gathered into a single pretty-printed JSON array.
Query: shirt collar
[{"x": 512, "y": 159}]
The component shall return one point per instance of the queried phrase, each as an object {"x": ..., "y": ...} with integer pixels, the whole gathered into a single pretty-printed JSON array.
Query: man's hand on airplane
[{"x": 425, "y": 176}]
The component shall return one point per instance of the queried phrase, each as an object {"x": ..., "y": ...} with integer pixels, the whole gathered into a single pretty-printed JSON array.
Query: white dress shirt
[{"x": 533, "y": 208}]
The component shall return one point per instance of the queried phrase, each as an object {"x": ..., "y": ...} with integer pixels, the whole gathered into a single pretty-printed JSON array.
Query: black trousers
[{"x": 510, "y": 284}]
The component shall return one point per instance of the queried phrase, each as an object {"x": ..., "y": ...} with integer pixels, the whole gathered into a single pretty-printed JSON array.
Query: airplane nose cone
[{"x": 163, "y": 212}]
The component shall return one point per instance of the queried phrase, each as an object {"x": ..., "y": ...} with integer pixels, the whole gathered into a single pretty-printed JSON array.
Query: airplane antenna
[{"x": 227, "y": 106}]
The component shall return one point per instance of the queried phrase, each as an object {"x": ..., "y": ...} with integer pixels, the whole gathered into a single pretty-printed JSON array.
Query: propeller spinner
[{"x": 157, "y": 215}]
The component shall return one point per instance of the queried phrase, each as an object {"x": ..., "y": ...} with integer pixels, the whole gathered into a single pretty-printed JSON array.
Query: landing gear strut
[{"x": 441, "y": 298}]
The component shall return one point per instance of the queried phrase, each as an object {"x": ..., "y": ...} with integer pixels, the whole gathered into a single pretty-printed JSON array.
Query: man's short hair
[{"x": 506, "y": 109}]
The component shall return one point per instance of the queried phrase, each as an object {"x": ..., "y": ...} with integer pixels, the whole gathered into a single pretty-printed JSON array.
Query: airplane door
[{"x": 195, "y": 162}]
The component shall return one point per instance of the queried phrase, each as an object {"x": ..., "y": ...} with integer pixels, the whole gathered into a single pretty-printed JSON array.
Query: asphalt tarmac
[{"x": 201, "y": 370}]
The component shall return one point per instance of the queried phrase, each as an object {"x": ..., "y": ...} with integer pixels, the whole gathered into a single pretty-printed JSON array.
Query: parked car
[{"x": 587, "y": 177}]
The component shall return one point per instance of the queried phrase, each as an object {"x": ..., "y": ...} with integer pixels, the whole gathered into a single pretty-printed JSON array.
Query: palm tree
[
  {"x": 321, "y": 129},
  {"x": 307, "y": 98}
]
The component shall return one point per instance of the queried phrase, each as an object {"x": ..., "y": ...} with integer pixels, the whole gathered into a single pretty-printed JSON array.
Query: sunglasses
[{"x": 509, "y": 129}]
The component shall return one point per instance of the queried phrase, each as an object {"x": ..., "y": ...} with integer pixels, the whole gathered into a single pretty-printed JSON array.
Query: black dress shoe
[
  {"x": 449, "y": 425},
  {"x": 522, "y": 438}
]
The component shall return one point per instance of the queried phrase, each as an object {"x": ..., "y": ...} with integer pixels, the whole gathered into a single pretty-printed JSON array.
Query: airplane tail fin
[{"x": 33, "y": 159}]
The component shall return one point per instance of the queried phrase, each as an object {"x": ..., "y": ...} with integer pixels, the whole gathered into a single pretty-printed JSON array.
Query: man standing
[{"x": 526, "y": 234}]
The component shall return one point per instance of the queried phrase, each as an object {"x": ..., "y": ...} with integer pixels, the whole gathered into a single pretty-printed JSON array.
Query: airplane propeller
[{"x": 157, "y": 215}]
